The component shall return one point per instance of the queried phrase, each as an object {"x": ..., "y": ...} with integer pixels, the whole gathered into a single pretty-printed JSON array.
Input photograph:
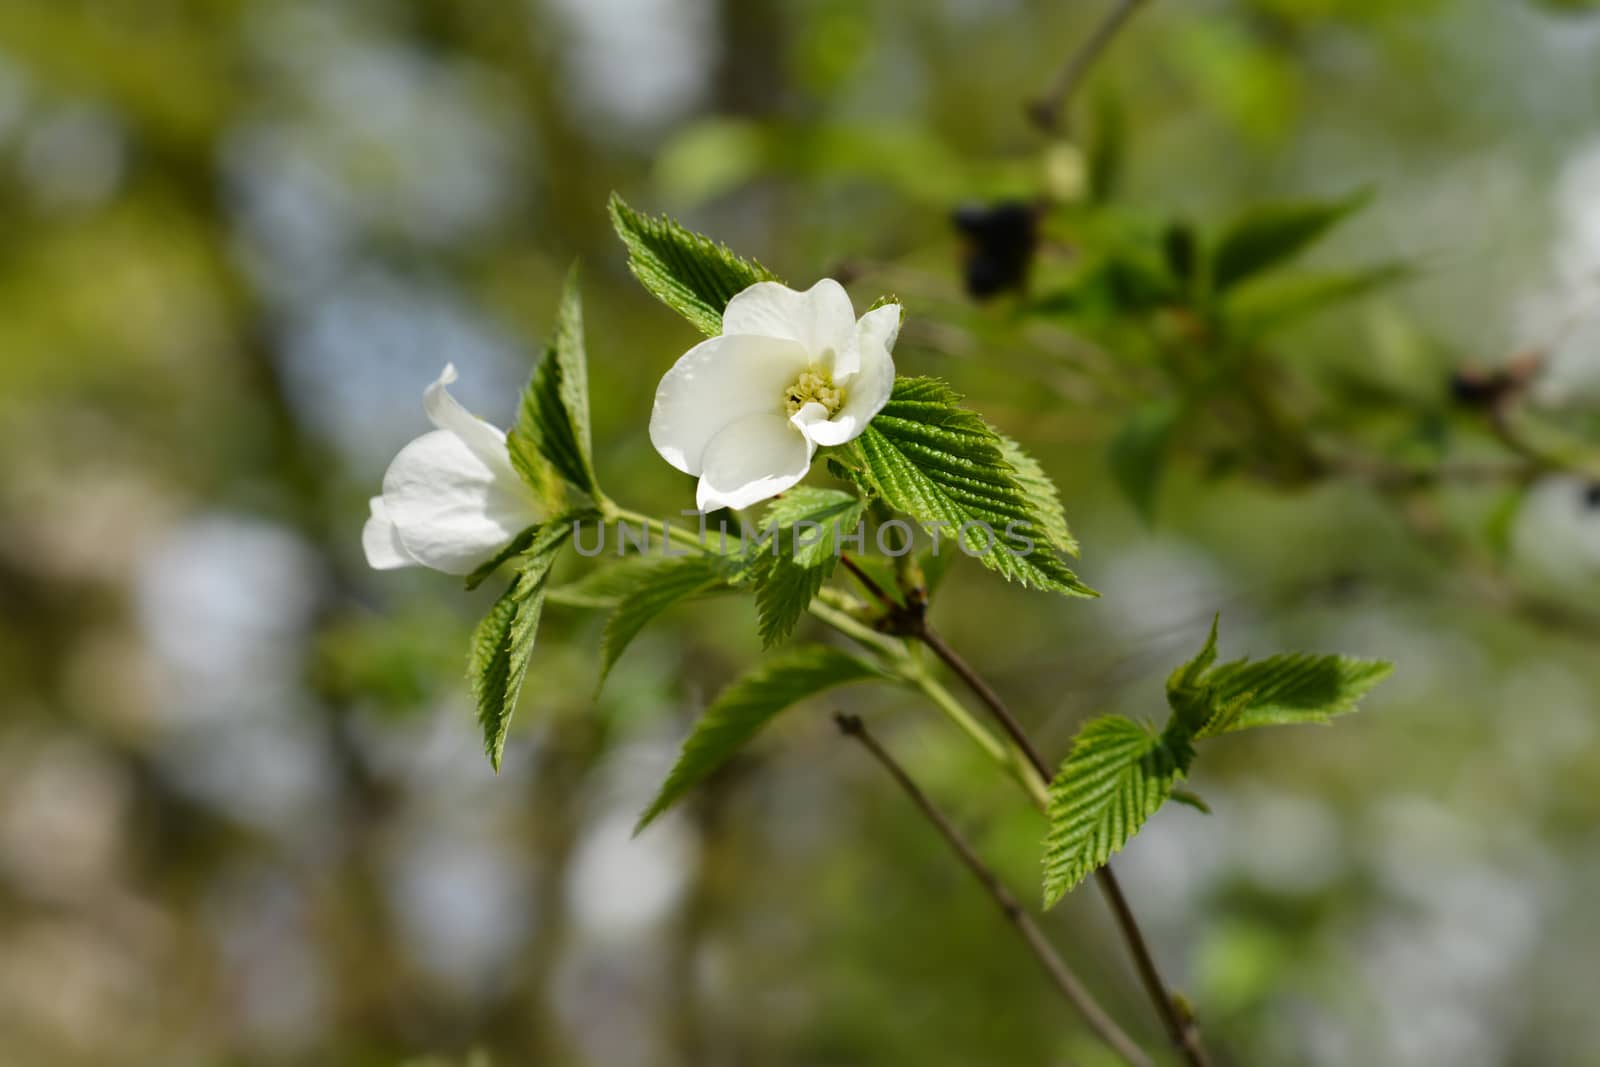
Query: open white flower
[
  {"x": 746, "y": 410},
  {"x": 451, "y": 498}
]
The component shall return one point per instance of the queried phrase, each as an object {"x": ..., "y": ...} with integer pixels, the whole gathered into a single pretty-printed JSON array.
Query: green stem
[
  {"x": 860, "y": 632},
  {"x": 831, "y": 611},
  {"x": 1070, "y": 986},
  {"x": 1175, "y": 1016},
  {"x": 1009, "y": 758},
  {"x": 687, "y": 538}
]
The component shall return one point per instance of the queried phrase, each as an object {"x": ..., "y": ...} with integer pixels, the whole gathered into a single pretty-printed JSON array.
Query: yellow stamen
[{"x": 816, "y": 385}]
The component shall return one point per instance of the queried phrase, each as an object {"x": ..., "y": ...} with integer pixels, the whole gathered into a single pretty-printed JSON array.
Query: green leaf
[
  {"x": 1042, "y": 494},
  {"x": 1294, "y": 687},
  {"x": 787, "y": 573},
  {"x": 605, "y": 586},
  {"x": 742, "y": 709},
  {"x": 1191, "y": 799},
  {"x": 693, "y": 275},
  {"x": 1274, "y": 302},
  {"x": 502, "y": 644},
  {"x": 514, "y": 547},
  {"x": 941, "y": 464},
  {"x": 1188, "y": 676},
  {"x": 1268, "y": 235},
  {"x": 553, "y": 418},
  {"x": 1118, "y": 773},
  {"x": 1138, "y": 453},
  {"x": 655, "y": 589}
]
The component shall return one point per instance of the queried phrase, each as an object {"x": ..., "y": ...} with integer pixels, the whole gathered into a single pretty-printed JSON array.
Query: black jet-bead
[{"x": 1001, "y": 240}]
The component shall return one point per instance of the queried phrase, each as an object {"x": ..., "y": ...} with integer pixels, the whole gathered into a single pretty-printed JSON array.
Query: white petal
[
  {"x": 714, "y": 384},
  {"x": 751, "y": 460},
  {"x": 453, "y": 510},
  {"x": 381, "y": 540},
  {"x": 445, "y": 412},
  {"x": 880, "y": 327},
  {"x": 810, "y": 412},
  {"x": 868, "y": 389},
  {"x": 820, "y": 319}
]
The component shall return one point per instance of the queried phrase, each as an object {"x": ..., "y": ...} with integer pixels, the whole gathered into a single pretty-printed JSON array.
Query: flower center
[{"x": 815, "y": 385}]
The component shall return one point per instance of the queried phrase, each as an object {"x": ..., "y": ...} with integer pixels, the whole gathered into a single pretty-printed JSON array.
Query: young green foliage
[
  {"x": 502, "y": 644},
  {"x": 1267, "y": 235},
  {"x": 742, "y": 709},
  {"x": 693, "y": 275},
  {"x": 553, "y": 418},
  {"x": 1043, "y": 496},
  {"x": 1119, "y": 772},
  {"x": 940, "y": 463},
  {"x": 606, "y": 586},
  {"x": 1294, "y": 687},
  {"x": 788, "y": 571},
  {"x": 653, "y": 590},
  {"x": 513, "y": 548}
]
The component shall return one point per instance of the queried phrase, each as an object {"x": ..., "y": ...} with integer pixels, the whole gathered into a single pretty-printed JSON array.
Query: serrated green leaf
[
  {"x": 1138, "y": 453},
  {"x": 927, "y": 456},
  {"x": 746, "y": 706},
  {"x": 502, "y": 644},
  {"x": 788, "y": 573},
  {"x": 783, "y": 592},
  {"x": 1118, "y": 774},
  {"x": 655, "y": 589},
  {"x": 1042, "y": 495},
  {"x": 553, "y": 418},
  {"x": 1209, "y": 700},
  {"x": 1294, "y": 687},
  {"x": 1189, "y": 674},
  {"x": 1269, "y": 234},
  {"x": 693, "y": 275}
]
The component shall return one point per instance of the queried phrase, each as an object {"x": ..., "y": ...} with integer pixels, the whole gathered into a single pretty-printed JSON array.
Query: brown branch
[
  {"x": 1070, "y": 986},
  {"x": 1046, "y": 111},
  {"x": 868, "y": 583},
  {"x": 1178, "y": 1020}
]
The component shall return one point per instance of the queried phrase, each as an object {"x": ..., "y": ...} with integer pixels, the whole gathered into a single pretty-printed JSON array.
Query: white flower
[
  {"x": 451, "y": 498},
  {"x": 746, "y": 410}
]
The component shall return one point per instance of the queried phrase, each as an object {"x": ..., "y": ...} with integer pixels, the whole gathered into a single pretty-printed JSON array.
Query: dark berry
[
  {"x": 1000, "y": 245},
  {"x": 1478, "y": 389}
]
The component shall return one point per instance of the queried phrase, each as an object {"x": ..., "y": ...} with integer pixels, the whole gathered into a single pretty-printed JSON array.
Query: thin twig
[
  {"x": 868, "y": 583},
  {"x": 1046, "y": 111},
  {"x": 1065, "y": 980},
  {"x": 990, "y": 698},
  {"x": 1176, "y": 1017}
]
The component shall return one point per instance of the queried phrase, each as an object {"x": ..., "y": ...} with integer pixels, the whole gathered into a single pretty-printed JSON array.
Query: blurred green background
[{"x": 244, "y": 814}]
